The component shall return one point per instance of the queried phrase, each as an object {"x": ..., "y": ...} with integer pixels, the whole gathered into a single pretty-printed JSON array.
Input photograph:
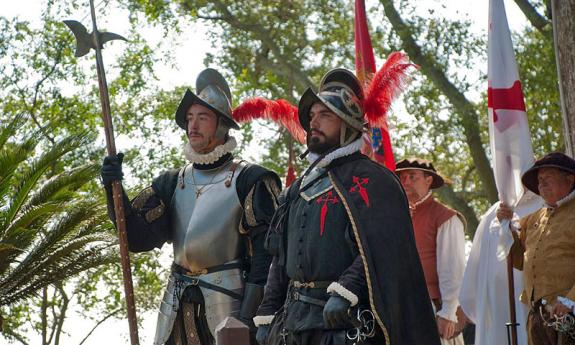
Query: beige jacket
[{"x": 545, "y": 251}]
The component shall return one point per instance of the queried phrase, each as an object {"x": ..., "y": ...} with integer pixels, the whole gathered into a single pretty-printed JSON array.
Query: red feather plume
[
  {"x": 279, "y": 111},
  {"x": 386, "y": 84}
]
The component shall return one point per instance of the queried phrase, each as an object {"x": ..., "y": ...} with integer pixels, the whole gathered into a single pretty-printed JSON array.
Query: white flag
[
  {"x": 483, "y": 295},
  {"x": 508, "y": 128}
]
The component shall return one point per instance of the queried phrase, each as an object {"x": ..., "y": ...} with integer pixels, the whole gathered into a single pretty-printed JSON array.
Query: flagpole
[{"x": 512, "y": 324}]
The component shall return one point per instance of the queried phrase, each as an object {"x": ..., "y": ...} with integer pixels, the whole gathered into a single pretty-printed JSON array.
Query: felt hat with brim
[
  {"x": 213, "y": 93},
  {"x": 555, "y": 160},
  {"x": 424, "y": 165},
  {"x": 341, "y": 92}
]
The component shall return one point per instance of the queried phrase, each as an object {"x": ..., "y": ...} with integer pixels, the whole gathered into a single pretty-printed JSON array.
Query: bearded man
[
  {"x": 345, "y": 267},
  {"x": 215, "y": 211}
]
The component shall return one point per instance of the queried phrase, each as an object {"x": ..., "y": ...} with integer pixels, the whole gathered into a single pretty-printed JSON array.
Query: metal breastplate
[{"x": 206, "y": 225}]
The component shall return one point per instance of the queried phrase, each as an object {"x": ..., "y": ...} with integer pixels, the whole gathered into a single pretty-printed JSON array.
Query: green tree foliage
[
  {"x": 55, "y": 98},
  {"x": 49, "y": 231}
]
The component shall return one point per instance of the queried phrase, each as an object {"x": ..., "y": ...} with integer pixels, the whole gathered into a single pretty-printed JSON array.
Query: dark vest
[{"x": 427, "y": 217}]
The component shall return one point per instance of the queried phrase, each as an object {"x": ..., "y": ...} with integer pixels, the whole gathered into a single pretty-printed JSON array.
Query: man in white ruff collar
[{"x": 215, "y": 212}]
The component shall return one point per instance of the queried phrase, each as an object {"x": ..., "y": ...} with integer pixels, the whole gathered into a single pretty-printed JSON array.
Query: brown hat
[
  {"x": 555, "y": 160},
  {"x": 424, "y": 165}
]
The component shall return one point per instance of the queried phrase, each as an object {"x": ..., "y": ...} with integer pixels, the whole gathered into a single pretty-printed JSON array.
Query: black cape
[{"x": 379, "y": 212}]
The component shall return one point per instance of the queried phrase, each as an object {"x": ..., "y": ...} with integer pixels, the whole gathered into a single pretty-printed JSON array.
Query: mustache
[{"x": 316, "y": 131}]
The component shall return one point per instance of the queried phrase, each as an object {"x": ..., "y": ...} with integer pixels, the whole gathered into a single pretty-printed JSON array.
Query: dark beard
[{"x": 316, "y": 146}]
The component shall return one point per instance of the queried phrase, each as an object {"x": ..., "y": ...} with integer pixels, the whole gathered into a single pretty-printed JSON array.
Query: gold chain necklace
[{"x": 200, "y": 190}]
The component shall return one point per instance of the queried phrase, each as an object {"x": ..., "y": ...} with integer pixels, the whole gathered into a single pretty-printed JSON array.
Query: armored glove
[
  {"x": 112, "y": 169},
  {"x": 262, "y": 334},
  {"x": 335, "y": 312}
]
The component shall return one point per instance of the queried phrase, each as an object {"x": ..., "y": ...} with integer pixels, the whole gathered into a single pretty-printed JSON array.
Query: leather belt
[
  {"x": 182, "y": 274},
  {"x": 296, "y": 296},
  {"x": 224, "y": 267}
]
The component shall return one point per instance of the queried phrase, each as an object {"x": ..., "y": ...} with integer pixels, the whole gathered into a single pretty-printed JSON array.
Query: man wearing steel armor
[
  {"x": 215, "y": 211},
  {"x": 342, "y": 240}
]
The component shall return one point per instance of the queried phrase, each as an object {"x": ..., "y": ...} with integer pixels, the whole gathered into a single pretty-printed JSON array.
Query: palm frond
[
  {"x": 8, "y": 130},
  {"x": 10, "y": 158},
  {"x": 65, "y": 182},
  {"x": 31, "y": 177}
]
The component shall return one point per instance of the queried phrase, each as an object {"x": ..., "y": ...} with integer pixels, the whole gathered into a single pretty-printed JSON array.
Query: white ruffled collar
[
  {"x": 210, "y": 157},
  {"x": 341, "y": 152}
]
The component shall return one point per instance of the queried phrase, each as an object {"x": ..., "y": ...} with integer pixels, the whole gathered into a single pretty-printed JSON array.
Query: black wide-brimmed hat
[
  {"x": 340, "y": 91},
  {"x": 555, "y": 160},
  {"x": 213, "y": 93},
  {"x": 424, "y": 165}
]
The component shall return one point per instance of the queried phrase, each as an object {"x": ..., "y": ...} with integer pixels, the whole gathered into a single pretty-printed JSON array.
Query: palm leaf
[
  {"x": 37, "y": 169},
  {"x": 69, "y": 181}
]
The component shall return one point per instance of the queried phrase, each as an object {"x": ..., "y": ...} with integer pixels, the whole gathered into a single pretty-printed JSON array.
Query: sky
[{"x": 188, "y": 61}]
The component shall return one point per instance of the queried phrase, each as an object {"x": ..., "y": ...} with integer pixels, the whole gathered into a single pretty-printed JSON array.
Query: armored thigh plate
[
  {"x": 168, "y": 310},
  {"x": 218, "y": 305}
]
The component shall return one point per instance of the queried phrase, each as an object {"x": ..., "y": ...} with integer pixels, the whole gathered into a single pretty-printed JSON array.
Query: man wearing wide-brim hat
[
  {"x": 215, "y": 211},
  {"x": 544, "y": 249},
  {"x": 440, "y": 238}
]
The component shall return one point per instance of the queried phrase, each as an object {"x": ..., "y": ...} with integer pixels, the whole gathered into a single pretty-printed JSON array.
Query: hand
[
  {"x": 559, "y": 309},
  {"x": 112, "y": 169},
  {"x": 262, "y": 334},
  {"x": 446, "y": 328},
  {"x": 504, "y": 212},
  {"x": 335, "y": 312}
]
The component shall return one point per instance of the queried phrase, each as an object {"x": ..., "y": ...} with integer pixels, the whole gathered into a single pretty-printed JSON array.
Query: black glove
[
  {"x": 335, "y": 312},
  {"x": 112, "y": 169},
  {"x": 262, "y": 334}
]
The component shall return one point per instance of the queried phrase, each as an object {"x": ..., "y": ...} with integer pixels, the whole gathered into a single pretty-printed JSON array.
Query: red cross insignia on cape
[
  {"x": 329, "y": 198},
  {"x": 359, "y": 187}
]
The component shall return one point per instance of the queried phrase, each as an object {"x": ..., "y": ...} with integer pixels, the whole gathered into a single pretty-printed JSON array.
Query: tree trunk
[{"x": 563, "y": 29}]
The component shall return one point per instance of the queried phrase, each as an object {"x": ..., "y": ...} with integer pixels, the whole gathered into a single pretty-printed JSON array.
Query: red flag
[
  {"x": 378, "y": 144},
  {"x": 290, "y": 175}
]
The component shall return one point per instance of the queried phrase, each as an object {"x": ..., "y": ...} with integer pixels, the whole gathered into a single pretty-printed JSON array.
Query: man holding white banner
[{"x": 544, "y": 248}]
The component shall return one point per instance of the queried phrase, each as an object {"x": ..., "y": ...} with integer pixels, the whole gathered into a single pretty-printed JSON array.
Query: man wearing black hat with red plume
[
  {"x": 544, "y": 249},
  {"x": 345, "y": 267},
  {"x": 440, "y": 239},
  {"x": 215, "y": 211}
]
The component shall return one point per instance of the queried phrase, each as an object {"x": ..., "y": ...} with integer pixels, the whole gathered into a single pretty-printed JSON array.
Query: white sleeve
[{"x": 450, "y": 265}]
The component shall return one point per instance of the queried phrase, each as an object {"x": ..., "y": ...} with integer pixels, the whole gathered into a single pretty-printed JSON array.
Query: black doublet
[{"x": 385, "y": 274}]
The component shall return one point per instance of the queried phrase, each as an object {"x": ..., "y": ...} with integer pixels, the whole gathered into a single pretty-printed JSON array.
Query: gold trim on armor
[
  {"x": 249, "y": 208},
  {"x": 155, "y": 213},
  {"x": 140, "y": 199},
  {"x": 273, "y": 189},
  {"x": 363, "y": 259}
]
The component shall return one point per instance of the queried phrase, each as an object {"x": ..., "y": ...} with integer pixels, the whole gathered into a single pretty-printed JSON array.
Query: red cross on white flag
[{"x": 508, "y": 128}]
